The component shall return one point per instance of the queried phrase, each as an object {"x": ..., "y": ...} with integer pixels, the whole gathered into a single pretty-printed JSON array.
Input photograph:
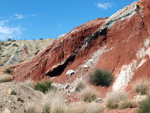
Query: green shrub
[
  {"x": 101, "y": 77},
  {"x": 43, "y": 86},
  {"x": 145, "y": 106},
  {"x": 9, "y": 71}
]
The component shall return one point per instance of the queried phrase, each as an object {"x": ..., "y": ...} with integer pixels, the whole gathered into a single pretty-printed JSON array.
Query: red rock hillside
[{"x": 120, "y": 43}]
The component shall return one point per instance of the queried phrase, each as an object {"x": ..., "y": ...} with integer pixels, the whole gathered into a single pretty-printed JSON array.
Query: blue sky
[{"x": 33, "y": 19}]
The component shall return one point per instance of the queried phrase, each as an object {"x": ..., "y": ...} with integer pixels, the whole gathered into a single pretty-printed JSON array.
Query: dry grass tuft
[
  {"x": 88, "y": 94},
  {"x": 80, "y": 86},
  {"x": 54, "y": 102},
  {"x": 95, "y": 108},
  {"x": 118, "y": 99},
  {"x": 77, "y": 108},
  {"x": 85, "y": 108},
  {"x": 5, "y": 78},
  {"x": 32, "y": 108},
  {"x": 141, "y": 86}
]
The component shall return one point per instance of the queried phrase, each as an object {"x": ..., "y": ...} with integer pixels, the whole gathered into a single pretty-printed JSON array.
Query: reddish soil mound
[{"x": 120, "y": 43}]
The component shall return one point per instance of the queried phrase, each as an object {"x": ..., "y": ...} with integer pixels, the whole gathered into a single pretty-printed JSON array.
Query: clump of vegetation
[
  {"x": 43, "y": 86},
  {"x": 125, "y": 104},
  {"x": 54, "y": 102},
  {"x": 9, "y": 71},
  {"x": 46, "y": 108},
  {"x": 95, "y": 108},
  {"x": 15, "y": 45},
  {"x": 118, "y": 99},
  {"x": 41, "y": 38},
  {"x": 101, "y": 77},
  {"x": 11, "y": 40},
  {"x": 141, "y": 87},
  {"x": 145, "y": 106},
  {"x": 79, "y": 86},
  {"x": 5, "y": 78},
  {"x": 32, "y": 108},
  {"x": 88, "y": 95},
  {"x": 85, "y": 108}
]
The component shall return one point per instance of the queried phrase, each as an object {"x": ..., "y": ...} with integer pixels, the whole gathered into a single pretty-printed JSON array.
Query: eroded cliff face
[
  {"x": 120, "y": 43},
  {"x": 13, "y": 52}
]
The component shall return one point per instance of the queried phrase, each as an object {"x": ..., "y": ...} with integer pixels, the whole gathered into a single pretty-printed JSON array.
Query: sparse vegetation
[
  {"x": 88, "y": 95},
  {"x": 15, "y": 45},
  {"x": 32, "y": 108},
  {"x": 28, "y": 83},
  {"x": 41, "y": 38},
  {"x": 80, "y": 85},
  {"x": 5, "y": 78},
  {"x": 11, "y": 40},
  {"x": 54, "y": 102},
  {"x": 145, "y": 106},
  {"x": 85, "y": 108},
  {"x": 58, "y": 106},
  {"x": 101, "y": 77},
  {"x": 9, "y": 71},
  {"x": 118, "y": 99},
  {"x": 46, "y": 108},
  {"x": 95, "y": 108},
  {"x": 125, "y": 104},
  {"x": 141, "y": 87},
  {"x": 43, "y": 86}
]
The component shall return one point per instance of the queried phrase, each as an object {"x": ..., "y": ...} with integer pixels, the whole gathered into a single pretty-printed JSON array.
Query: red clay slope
[{"x": 119, "y": 43}]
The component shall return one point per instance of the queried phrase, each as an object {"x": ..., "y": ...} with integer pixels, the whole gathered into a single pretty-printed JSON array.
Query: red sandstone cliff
[{"x": 120, "y": 43}]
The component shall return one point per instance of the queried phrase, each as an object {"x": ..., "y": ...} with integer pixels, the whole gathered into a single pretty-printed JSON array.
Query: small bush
[
  {"x": 88, "y": 95},
  {"x": 9, "y": 71},
  {"x": 141, "y": 87},
  {"x": 5, "y": 78},
  {"x": 101, "y": 77},
  {"x": 117, "y": 100},
  {"x": 80, "y": 85},
  {"x": 43, "y": 86},
  {"x": 145, "y": 106}
]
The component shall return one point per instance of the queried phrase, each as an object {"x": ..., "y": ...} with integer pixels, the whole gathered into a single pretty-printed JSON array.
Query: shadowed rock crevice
[{"x": 60, "y": 69}]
